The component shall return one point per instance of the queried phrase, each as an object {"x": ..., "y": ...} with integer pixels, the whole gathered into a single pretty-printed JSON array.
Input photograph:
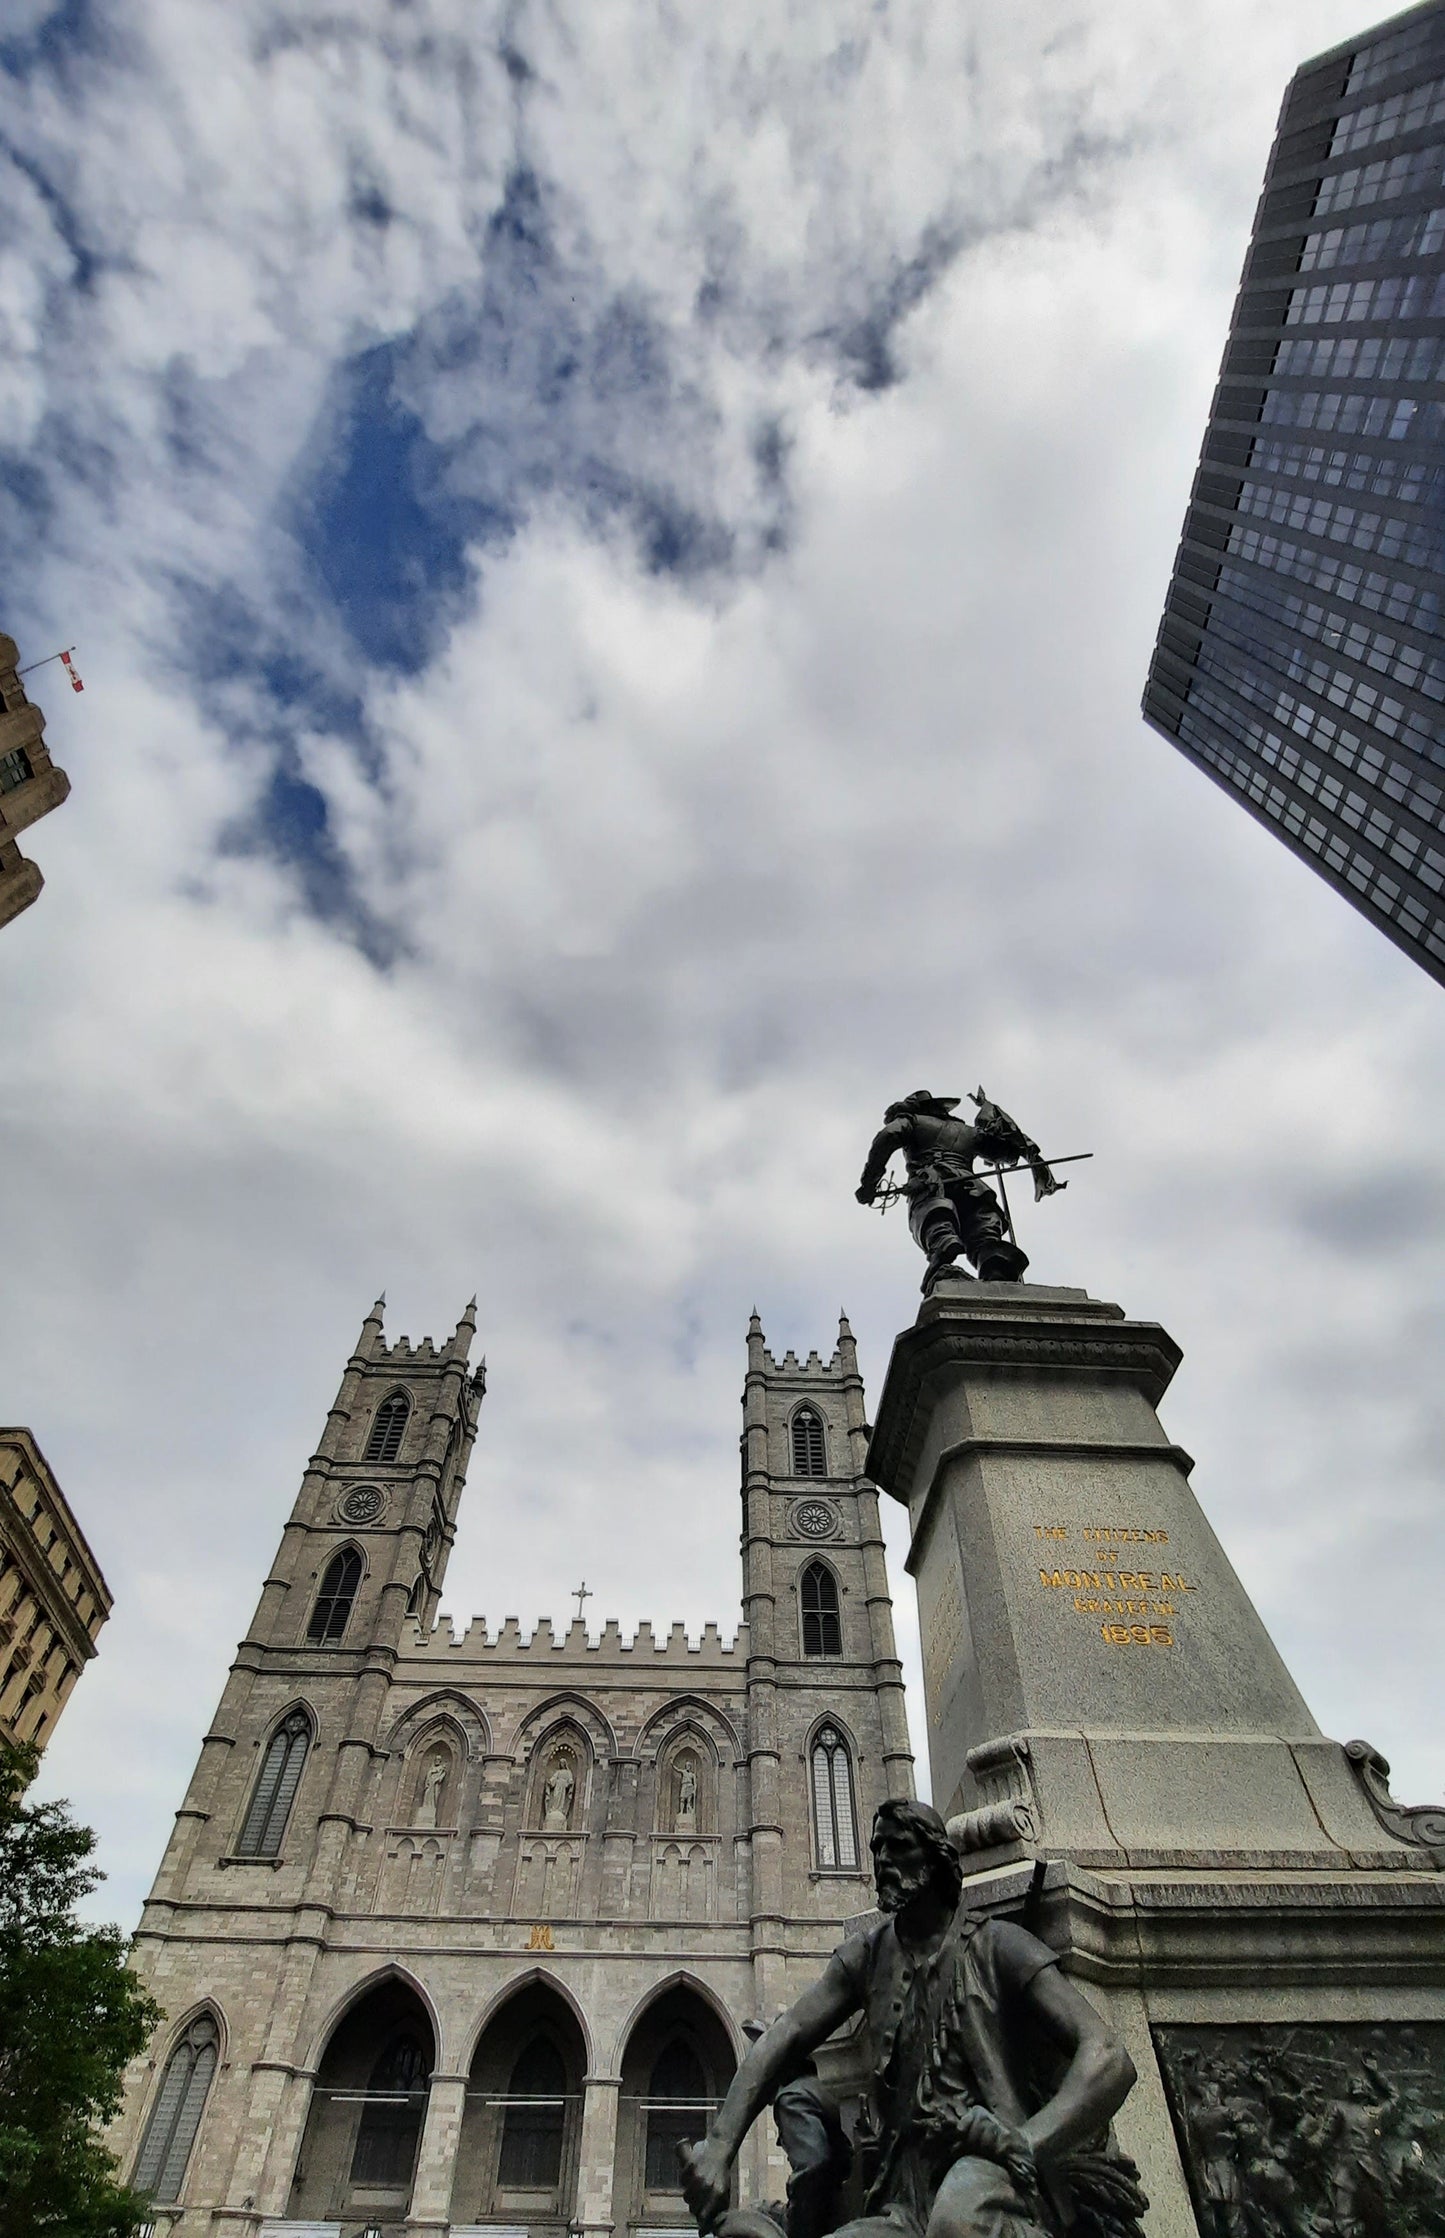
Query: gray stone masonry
[{"x": 1125, "y": 1755}]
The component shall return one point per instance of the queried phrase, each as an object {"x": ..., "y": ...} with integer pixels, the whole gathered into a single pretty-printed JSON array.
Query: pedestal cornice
[{"x": 999, "y": 1328}]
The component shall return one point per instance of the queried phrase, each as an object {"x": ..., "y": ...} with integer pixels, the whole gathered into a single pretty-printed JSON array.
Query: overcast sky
[{"x": 613, "y": 551}]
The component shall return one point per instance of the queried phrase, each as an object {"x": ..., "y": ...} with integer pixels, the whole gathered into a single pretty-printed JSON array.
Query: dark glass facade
[{"x": 1301, "y": 658}]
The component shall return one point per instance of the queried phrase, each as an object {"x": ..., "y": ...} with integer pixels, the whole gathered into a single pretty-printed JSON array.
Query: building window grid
[
  {"x": 1383, "y": 893},
  {"x": 1374, "y": 240},
  {"x": 1241, "y": 766},
  {"x": 1386, "y": 57},
  {"x": 1262, "y": 688},
  {"x": 1384, "y": 180},
  {"x": 1395, "y": 419},
  {"x": 1370, "y": 357},
  {"x": 1410, "y": 110},
  {"x": 1351, "y": 583},
  {"x": 1248, "y": 625},
  {"x": 1393, "y": 535}
]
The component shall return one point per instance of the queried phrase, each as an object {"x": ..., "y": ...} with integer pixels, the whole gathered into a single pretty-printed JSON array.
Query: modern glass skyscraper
[{"x": 1301, "y": 658}]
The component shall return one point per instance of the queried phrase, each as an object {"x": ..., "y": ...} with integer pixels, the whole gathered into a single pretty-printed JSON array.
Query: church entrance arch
[
  {"x": 677, "y": 2064},
  {"x": 358, "y": 2156},
  {"x": 517, "y": 2154}
]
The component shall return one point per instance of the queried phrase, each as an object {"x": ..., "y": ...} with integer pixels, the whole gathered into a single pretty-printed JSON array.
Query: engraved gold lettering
[{"x": 541, "y": 1939}]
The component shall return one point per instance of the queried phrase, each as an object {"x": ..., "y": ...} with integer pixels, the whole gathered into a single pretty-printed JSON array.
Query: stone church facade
[{"x": 459, "y": 1932}]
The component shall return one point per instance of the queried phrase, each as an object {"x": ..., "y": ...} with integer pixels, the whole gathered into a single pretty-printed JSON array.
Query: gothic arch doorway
[
  {"x": 358, "y": 2156},
  {"x": 675, "y": 2069},
  {"x": 517, "y": 2154}
]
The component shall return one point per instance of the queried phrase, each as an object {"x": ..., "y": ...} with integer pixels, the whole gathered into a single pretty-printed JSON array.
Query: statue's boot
[{"x": 1001, "y": 1262}]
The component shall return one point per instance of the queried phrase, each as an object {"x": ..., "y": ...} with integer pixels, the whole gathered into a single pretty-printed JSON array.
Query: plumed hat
[{"x": 923, "y": 1099}]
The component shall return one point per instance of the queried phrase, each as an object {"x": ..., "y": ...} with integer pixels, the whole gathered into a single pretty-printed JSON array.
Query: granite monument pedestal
[{"x": 1122, "y": 1753}]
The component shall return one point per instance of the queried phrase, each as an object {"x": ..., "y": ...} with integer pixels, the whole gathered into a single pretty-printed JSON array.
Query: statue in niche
[
  {"x": 429, "y": 1799},
  {"x": 557, "y": 1797},
  {"x": 1297, "y": 2130},
  {"x": 686, "y": 1796},
  {"x": 952, "y": 1211},
  {"x": 994, "y": 2080}
]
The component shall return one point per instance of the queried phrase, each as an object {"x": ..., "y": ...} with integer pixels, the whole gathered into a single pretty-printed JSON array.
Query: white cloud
[{"x": 692, "y": 878}]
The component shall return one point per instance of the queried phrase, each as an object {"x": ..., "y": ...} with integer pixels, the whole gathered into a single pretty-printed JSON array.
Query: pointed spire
[
  {"x": 755, "y": 1342},
  {"x": 371, "y": 1326},
  {"x": 847, "y": 1353},
  {"x": 466, "y": 1329}
]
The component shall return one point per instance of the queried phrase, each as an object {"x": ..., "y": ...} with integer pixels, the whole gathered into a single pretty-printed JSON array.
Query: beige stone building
[
  {"x": 53, "y": 1599},
  {"x": 457, "y": 1930},
  {"x": 30, "y": 784}
]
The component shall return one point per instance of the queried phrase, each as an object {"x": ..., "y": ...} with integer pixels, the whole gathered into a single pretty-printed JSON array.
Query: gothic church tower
[{"x": 458, "y": 1929}]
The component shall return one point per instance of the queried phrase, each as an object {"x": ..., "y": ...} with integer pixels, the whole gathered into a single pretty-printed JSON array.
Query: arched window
[
  {"x": 390, "y": 2127},
  {"x": 834, "y": 1825},
  {"x": 384, "y": 1444},
  {"x": 535, "y": 2120},
  {"x": 822, "y": 1630},
  {"x": 333, "y": 1602},
  {"x": 275, "y": 1788},
  {"x": 678, "y": 2107},
  {"x": 810, "y": 1452},
  {"x": 160, "y": 2169}
]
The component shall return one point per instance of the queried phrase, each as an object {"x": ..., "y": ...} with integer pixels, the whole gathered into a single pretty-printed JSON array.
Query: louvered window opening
[
  {"x": 390, "y": 2126},
  {"x": 160, "y": 2169},
  {"x": 15, "y": 769},
  {"x": 333, "y": 1602},
  {"x": 534, "y": 2120},
  {"x": 833, "y": 1816},
  {"x": 810, "y": 1453},
  {"x": 384, "y": 1444},
  {"x": 678, "y": 2110},
  {"x": 822, "y": 1627},
  {"x": 275, "y": 1788}
]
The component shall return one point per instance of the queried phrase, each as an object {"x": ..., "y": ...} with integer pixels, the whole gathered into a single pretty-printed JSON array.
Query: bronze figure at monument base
[{"x": 993, "y": 2081}]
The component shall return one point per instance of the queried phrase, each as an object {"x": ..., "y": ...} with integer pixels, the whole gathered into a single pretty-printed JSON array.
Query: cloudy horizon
[{"x": 614, "y": 563}]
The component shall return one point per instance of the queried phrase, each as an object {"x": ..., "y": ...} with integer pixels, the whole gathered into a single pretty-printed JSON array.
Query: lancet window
[
  {"x": 160, "y": 2169},
  {"x": 384, "y": 1444},
  {"x": 390, "y": 2127},
  {"x": 834, "y": 1822},
  {"x": 822, "y": 1625},
  {"x": 333, "y": 1602},
  {"x": 275, "y": 1788},
  {"x": 535, "y": 2120},
  {"x": 810, "y": 1451}
]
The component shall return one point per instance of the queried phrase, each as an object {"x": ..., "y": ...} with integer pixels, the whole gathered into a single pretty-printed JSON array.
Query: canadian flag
[{"x": 75, "y": 683}]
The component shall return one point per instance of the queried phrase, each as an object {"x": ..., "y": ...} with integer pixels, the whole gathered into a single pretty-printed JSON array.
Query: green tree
[{"x": 71, "y": 2016}]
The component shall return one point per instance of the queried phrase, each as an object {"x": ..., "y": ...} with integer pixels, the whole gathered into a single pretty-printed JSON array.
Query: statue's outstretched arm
[
  {"x": 888, "y": 1139},
  {"x": 773, "y": 2060},
  {"x": 1097, "y": 2080}
]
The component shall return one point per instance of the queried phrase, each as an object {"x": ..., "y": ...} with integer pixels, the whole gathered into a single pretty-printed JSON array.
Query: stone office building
[
  {"x": 53, "y": 1599},
  {"x": 30, "y": 784},
  {"x": 457, "y": 1930}
]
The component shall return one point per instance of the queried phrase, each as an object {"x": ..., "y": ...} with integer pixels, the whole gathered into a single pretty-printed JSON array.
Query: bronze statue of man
[
  {"x": 951, "y": 1211},
  {"x": 964, "y": 2015}
]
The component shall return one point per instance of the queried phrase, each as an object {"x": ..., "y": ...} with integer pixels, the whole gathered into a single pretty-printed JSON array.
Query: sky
[{"x": 613, "y": 553}]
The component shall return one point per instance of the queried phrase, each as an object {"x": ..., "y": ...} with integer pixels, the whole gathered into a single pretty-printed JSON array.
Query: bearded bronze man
[{"x": 965, "y": 2014}]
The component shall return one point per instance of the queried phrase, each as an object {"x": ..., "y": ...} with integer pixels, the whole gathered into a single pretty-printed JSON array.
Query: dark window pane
[
  {"x": 390, "y": 2128},
  {"x": 384, "y": 1444}
]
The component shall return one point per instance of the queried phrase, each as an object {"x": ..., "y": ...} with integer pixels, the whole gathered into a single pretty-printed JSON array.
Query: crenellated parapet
[{"x": 510, "y": 1645}]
